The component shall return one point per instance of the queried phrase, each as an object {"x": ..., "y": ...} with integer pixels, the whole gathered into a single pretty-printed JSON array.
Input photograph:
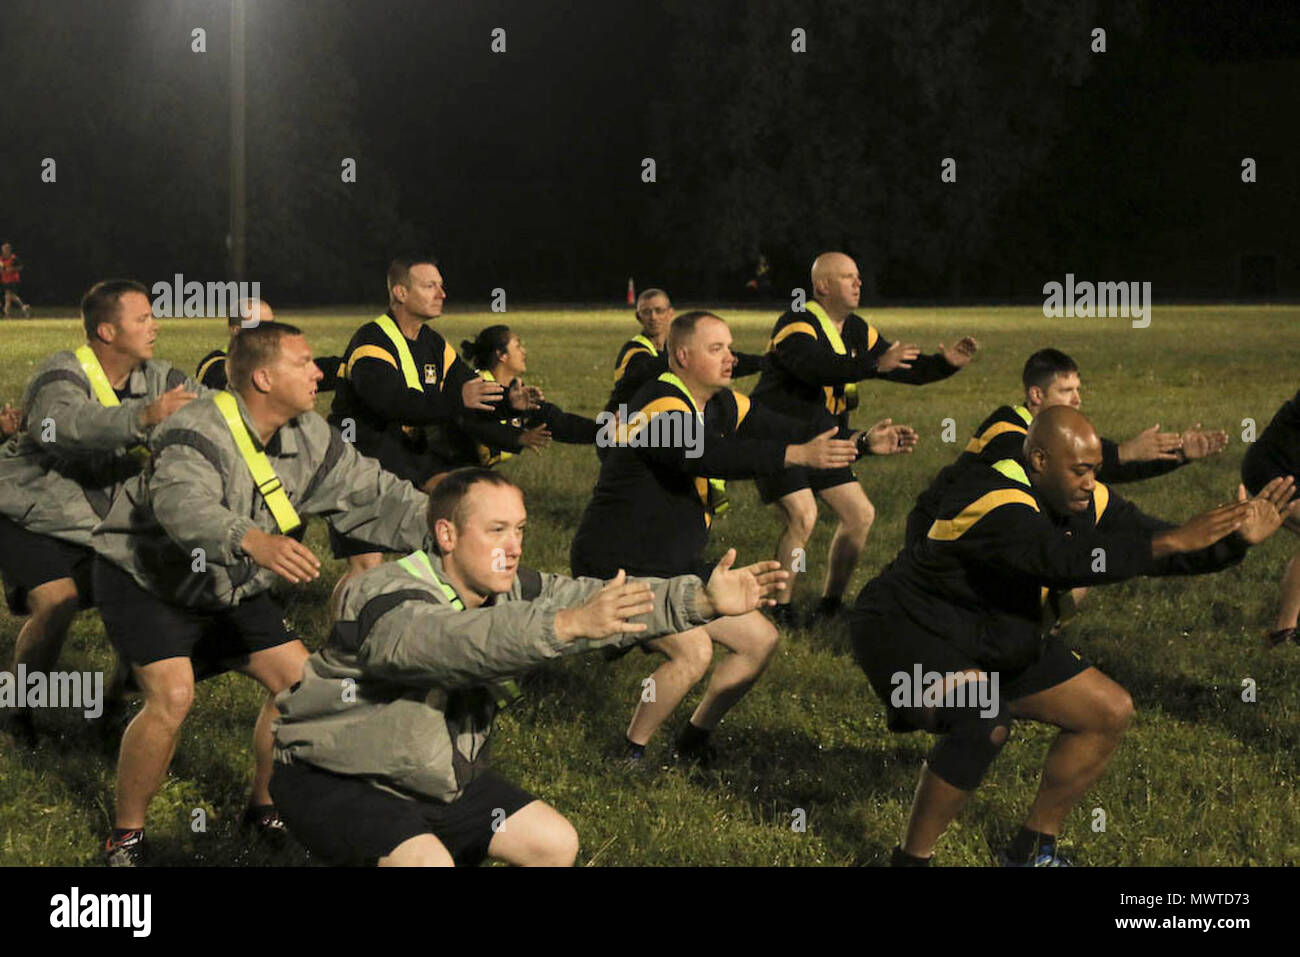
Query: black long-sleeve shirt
[
  {"x": 484, "y": 438},
  {"x": 392, "y": 420},
  {"x": 649, "y": 512},
  {"x": 980, "y": 575},
  {"x": 805, "y": 377}
]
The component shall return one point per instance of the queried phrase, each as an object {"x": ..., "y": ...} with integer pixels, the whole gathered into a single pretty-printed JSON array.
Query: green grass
[{"x": 1201, "y": 778}]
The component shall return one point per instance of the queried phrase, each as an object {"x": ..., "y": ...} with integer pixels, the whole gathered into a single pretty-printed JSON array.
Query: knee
[
  {"x": 800, "y": 521},
  {"x": 1116, "y": 712},
  {"x": 560, "y": 847},
  {"x": 766, "y": 637},
  {"x": 695, "y": 655},
  {"x": 858, "y": 522},
  {"x": 54, "y": 601},
  {"x": 172, "y": 702}
]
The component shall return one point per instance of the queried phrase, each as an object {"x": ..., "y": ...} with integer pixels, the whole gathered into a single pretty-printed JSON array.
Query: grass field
[{"x": 1202, "y": 778}]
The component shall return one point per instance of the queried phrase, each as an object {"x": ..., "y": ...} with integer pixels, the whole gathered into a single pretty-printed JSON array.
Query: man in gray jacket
[
  {"x": 86, "y": 415},
  {"x": 190, "y": 549},
  {"x": 381, "y": 747}
]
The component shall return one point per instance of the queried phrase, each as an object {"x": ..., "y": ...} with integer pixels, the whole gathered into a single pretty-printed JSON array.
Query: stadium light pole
[{"x": 237, "y": 104}]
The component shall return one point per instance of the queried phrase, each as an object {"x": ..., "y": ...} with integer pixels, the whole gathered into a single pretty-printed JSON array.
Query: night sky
[{"x": 523, "y": 169}]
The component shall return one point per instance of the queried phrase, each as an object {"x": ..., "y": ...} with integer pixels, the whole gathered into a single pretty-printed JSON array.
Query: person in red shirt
[{"x": 10, "y": 276}]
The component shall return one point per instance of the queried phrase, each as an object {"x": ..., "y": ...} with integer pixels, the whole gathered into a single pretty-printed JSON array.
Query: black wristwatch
[{"x": 864, "y": 446}]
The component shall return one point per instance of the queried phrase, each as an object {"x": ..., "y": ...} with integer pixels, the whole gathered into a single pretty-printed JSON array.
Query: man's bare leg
[
  {"x": 53, "y": 606},
  {"x": 150, "y": 739},
  {"x": 536, "y": 835},
  {"x": 689, "y": 654},
  {"x": 1092, "y": 712},
  {"x": 423, "y": 850},
  {"x": 799, "y": 515},
  {"x": 752, "y": 641},
  {"x": 275, "y": 669},
  {"x": 856, "y": 514}
]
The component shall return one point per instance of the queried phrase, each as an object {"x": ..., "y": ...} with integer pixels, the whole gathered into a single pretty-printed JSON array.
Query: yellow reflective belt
[
  {"x": 648, "y": 344},
  {"x": 487, "y": 457},
  {"x": 98, "y": 381},
  {"x": 103, "y": 390},
  {"x": 417, "y": 563},
  {"x": 837, "y": 343},
  {"x": 1021, "y": 411},
  {"x": 264, "y": 477},
  {"x": 403, "y": 348},
  {"x": 717, "y": 501}
]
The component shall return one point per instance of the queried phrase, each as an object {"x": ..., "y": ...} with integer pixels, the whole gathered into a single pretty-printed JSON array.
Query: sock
[
  {"x": 829, "y": 605},
  {"x": 900, "y": 858},
  {"x": 1028, "y": 843},
  {"x": 634, "y": 750},
  {"x": 691, "y": 737}
]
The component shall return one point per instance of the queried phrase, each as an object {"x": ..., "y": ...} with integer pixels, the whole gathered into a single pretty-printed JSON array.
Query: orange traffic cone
[{"x": 631, "y": 292}]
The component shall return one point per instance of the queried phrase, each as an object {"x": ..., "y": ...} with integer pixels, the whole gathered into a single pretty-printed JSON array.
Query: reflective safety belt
[
  {"x": 837, "y": 343},
  {"x": 1021, "y": 411},
  {"x": 504, "y": 693},
  {"x": 103, "y": 390},
  {"x": 264, "y": 477},
  {"x": 716, "y": 500},
  {"x": 389, "y": 327},
  {"x": 488, "y": 456},
  {"x": 648, "y": 344}
]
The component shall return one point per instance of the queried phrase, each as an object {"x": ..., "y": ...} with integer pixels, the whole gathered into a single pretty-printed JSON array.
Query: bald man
[
  {"x": 244, "y": 314},
  {"x": 952, "y": 636},
  {"x": 816, "y": 357}
]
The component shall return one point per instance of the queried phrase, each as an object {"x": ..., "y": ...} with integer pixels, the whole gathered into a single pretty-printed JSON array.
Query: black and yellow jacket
[
  {"x": 650, "y": 511},
  {"x": 1002, "y": 436},
  {"x": 484, "y": 438},
  {"x": 397, "y": 405},
  {"x": 812, "y": 377},
  {"x": 981, "y": 575},
  {"x": 1279, "y": 444},
  {"x": 639, "y": 362}
]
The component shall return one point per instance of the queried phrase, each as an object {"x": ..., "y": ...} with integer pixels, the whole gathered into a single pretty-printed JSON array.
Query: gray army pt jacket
[
  {"x": 176, "y": 527},
  {"x": 405, "y": 691},
  {"x": 60, "y": 472}
]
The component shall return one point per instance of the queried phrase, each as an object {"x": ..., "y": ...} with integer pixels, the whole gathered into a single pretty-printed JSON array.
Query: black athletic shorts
[
  {"x": 145, "y": 629},
  {"x": 1261, "y": 465},
  {"x": 29, "y": 560},
  {"x": 886, "y": 642},
  {"x": 774, "y": 487},
  {"x": 348, "y": 821},
  {"x": 585, "y": 568}
]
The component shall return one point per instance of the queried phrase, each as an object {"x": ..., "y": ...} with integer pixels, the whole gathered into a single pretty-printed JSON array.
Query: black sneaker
[
  {"x": 1279, "y": 637},
  {"x": 23, "y": 727},
  {"x": 265, "y": 824},
  {"x": 703, "y": 755},
  {"x": 1050, "y": 856},
  {"x": 784, "y": 616},
  {"x": 129, "y": 851}
]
